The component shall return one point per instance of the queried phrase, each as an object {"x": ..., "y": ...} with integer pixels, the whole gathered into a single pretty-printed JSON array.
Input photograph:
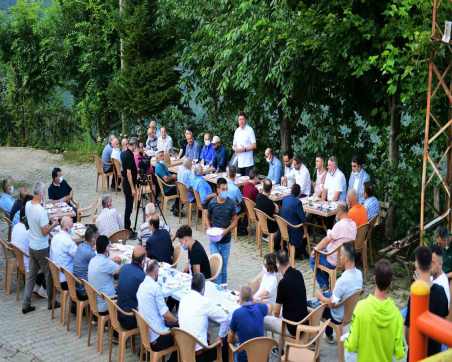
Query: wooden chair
[
  {"x": 284, "y": 225},
  {"x": 5, "y": 219},
  {"x": 87, "y": 212},
  {"x": 123, "y": 334},
  {"x": 165, "y": 198},
  {"x": 216, "y": 263},
  {"x": 100, "y": 173},
  {"x": 116, "y": 173},
  {"x": 199, "y": 208},
  {"x": 55, "y": 273},
  {"x": 360, "y": 245},
  {"x": 176, "y": 254},
  {"x": 186, "y": 345},
  {"x": 102, "y": 320},
  {"x": 372, "y": 225},
  {"x": 262, "y": 229},
  {"x": 257, "y": 349},
  {"x": 120, "y": 236},
  {"x": 9, "y": 260},
  {"x": 331, "y": 272},
  {"x": 146, "y": 346},
  {"x": 308, "y": 352},
  {"x": 250, "y": 205},
  {"x": 182, "y": 190},
  {"x": 80, "y": 305},
  {"x": 349, "y": 306},
  {"x": 21, "y": 273}
]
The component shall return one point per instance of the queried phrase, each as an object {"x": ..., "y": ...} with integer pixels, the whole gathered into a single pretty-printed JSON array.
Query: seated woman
[{"x": 266, "y": 283}]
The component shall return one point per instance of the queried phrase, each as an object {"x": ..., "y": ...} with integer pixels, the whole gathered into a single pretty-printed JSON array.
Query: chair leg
[
  {"x": 90, "y": 326},
  {"x": 122, "y": 347},
  {"x": 10, "y": 265},
  {"x": 110, "y": 343},
  {"x": 97, "y": 182},
  {"x": 271, "y": 242},
  {"x": 63, "y": 307},
  {"x": 292, "y": 255},
  {"x": 141, "y": 353},
  {"x": 100, "y": 335},
  {"x": 53, "y": 302},
  {"x": 189, "y": 213},
  {"x": 79, "y": 316},
  {"x": 17, "y": 285},
  {"x": 68, "y": 313}
]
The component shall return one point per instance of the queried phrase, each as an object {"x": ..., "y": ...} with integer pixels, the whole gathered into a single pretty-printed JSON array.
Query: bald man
[
  {"x": 130, "y": 277},
  {"x": 356, "y": 211},
  {"x": 63, "y": 248}
]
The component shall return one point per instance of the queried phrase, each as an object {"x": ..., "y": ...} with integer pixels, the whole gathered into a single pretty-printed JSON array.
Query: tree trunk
[
  {"x": 394, "y": 154},
  {"x": 284, "y": 132}
]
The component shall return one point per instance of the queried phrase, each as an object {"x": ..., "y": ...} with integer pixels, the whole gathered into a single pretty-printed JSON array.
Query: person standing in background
[{"x": 244, "y": 144}]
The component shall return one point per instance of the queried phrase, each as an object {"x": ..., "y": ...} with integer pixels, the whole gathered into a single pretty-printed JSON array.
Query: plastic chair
[
  {"x": 216, "y": 263},
  {"x": 204, "y": 212},
  {"x": 120, "y": 236},
  {"x": 250, "y": 205},
  {"x": 186, "y": 346},
  {"x": 308, "y": 352},
  {"x": 146, "y": 346},
  {"x": 360, "y": 245},
  {"x": 90, "y": 211},
  {"x": 8, "y": 222},
  {"x": 80, "y": 305},
  {"x": 165, "y": 198},
  {"x": 349, "y": 306},
  {"x": 123, "y": 334},
  {"x": 9, "y": 260},
  {"x": 100, "y": 173},
  {"x": 116, "y": 172},
  {"x": 262, "y": 229},
  {"x": 55, "y": 273},
  {"x": 20, "y": 271},
  {"x": 183, "y": 200},
  {"x": 102, "y": 320},
  {"x": 257, "y": 349},
  {"x": 176, "y": 255}
]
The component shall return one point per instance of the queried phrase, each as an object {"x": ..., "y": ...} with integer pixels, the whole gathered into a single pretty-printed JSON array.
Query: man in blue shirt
[
  {"x": 357, "y": 179},
  {"x": 247, "y": 321},
  {"x": 161, "y": 170},
  {"x": 106, "y": 155},
  {"x": 292, "y": 211},
  {"x": 130, "y": 278},
  {"x": 234, "y": 192},
  {"x": 202, "y": 187},
  {"x": 85, "y": 252},
  {"x": 371, "y": 203},
  {"x": 275, "y": 170},
  {"x": 220, "y": 157},
  {"x": 159, "y": 245},
  {"x": 192, "y": 148},
  {"x": 207, "y": 152},
  {"x": 6, "y": 198}
]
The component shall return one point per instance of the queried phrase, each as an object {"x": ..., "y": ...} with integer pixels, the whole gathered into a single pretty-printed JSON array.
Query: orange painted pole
[
  {"x": 435, "y": 327},
  {"x": 419, "y": 300}
]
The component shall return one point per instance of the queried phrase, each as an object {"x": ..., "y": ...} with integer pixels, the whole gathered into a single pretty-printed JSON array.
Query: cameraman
[{"x": 129, "y": 175}]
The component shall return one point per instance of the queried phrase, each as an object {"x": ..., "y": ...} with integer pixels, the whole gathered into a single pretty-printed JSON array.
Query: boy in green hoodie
[{"x": 376, "y": 332}]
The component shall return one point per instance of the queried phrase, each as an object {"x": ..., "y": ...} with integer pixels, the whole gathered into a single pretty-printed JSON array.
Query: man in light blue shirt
[
  {"x": 275, "y": 169},
  {"x": 152, "y": 306},
  {"x": 371, "y": 203},
  {"x": 192, "y": 148},
  {"x": 201, "y": 186},
  {"x": 82, "y": 257},
  {"x": 234, "y": 192},
  {"x": 357, "y": 178},
  {"x": 6, "y": 198},
  {"x": 106, "y": 155},
  {"x": 207, "y": 151},
  {"x": 185, "y": 176},
  {"x": 101, "y": 270}
]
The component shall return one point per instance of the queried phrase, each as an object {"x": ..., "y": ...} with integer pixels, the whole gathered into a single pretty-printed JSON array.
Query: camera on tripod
[{"x": 144, "y": 168}]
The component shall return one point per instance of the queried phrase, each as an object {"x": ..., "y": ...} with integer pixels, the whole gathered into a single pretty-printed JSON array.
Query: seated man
[
  {"x": 202, "y": 187},
  {"x": 358, "y": 177},
  {"x": 320, "y": 172},
  {"x": 144, "y": 232},
  {"x": 265, "y": 204},
  {"x": 287, "y": 160},
  {"x": 151, "y": 142},
  {"x": 24, "y": 196},
  {"x": 344, "y": 230},
  {"x": 247, "y": 322},
  {"x": 356, "y": 211},
  {"x": 108, "y": 221},
  {"x": 164, "y": 142},
  {"x": 101, "y": 271},
  {"x": 233, "y": 192},
  {"x": 195, "y": 311},
  {"x": 438, "y": 275},
  {"x": 116, "y": 153},
  {"x": 376, "y": 328},
  {"x": 219, "y": 162},
  {"x": 106, "y": 155},
  {"x": 443, "y": 240},
  {"x": 292, "y": 211},
  {"x": 63, "y": 249},
  {"x": 185, "y": 176},
  {"x": 198, "y": 262},
  {"x": 159, "y": 245},
  {"x": 130, "y": 277},
  {"x": 290, "y": 297},
  {"x": 437, "y": 298},
  {"x": 275, "y": 169},
  {"x": 191, "y": 147},
  {"x": 161, "y": 170},
  {"x": 151, "y": 304},
  {"x": 85, "y": 252},
  {"x": 350, "y": 281},
  {"x": 207, "y": 151},
  {"x": 249, "y": 188},
  {"x": 371, "y": 203},
  {"x": 59, "y": 189},
  {"x": 299, "y": 174},
  {"x": 334, "y": 188},
  {"x": 6, "y": 198}
]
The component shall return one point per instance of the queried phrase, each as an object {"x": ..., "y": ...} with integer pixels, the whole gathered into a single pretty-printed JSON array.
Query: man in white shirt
[
  {"x": 144, "y": 232},
  {"x": 63, "y": 248},
  {"x": 244, "y": 144},
  {"x": 438, "y": 275},
  {"x": 299, "y": 174},
  {"x": 195, "y": 311},
  {"x": 151, "y": 304},
  {"x": 116, "y": 153},
  {"x": 108, "y": 221},
  {"x": 335, "y": 186},
  {"x": 164, "y": 142}
]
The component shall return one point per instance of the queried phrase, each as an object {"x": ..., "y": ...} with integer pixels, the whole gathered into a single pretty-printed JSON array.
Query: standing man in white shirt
[
  {"x": 38, "y": 222},
  {"x": 299, "y": 174},
  {"x": 195, "y": 311},
  {"x": 335, "y": 186},
  {"x": 63, "y": 249},
  {"x": 244, "y": 144},
  {"x": 164, "y": 142}
]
